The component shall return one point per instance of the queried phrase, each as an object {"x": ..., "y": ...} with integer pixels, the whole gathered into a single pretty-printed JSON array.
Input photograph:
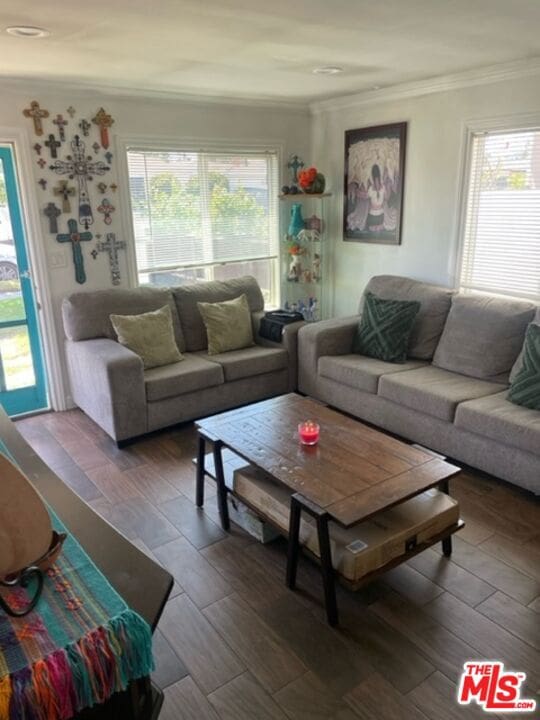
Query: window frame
[
  {"x": 146, "y": 143},
  {"x": 470, "y": 128}
]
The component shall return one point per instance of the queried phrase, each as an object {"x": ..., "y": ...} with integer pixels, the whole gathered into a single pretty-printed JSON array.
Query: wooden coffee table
[{"x": 353, "y": 473}]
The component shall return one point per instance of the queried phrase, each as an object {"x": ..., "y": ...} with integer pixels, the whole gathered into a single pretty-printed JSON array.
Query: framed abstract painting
[{"x": 373, "y": 193}]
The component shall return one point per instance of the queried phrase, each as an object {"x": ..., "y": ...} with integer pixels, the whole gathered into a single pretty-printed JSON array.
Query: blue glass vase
[{"x": 297, "y": 221}]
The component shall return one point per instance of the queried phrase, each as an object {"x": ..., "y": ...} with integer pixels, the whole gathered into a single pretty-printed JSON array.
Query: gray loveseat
[
  {"x": 450, "y": 395},
  {"x": 109, "y": 383}
]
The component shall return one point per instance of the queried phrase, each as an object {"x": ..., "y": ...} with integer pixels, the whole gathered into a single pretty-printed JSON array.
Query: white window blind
[
  {"x": 200, "y": 210},
  {"x": 501, "y": 237}
]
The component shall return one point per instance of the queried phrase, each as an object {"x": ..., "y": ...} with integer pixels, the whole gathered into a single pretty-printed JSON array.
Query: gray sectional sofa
[
  {"x": 450, "y": 395},
  {"x": 109, "y": 383}
]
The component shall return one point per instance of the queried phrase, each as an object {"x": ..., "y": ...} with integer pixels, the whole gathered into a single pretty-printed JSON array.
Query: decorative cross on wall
[
  {"x": 75, "y": 238},
  {"x": 43, "y": 183},
  {"x": 65, "y": 191},
  {"x": 71, "y": 111},
  {"x": 96, "y": 146},
  {"x": 52, "y": 212},
  {"x": 80, "y": 166},
  {"x": 37, "y": 148},
  {"x": 61, "y": 125},
  {"x": 102, "y": 187},
  {"x": 85, "y": 127},
  {"x": 52, "y": 143},
  {"x": 112, "y": 246},
  {"x": 294, "y": 165},
  {"x": 104, "y": 122},
  {"x": 37, "y": 114},
  {"x": 106, "y": 209},
  {"x": 41, "y": 162}
]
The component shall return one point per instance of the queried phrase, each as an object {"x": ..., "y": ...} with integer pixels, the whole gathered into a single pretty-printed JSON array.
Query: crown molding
[
  {"x": 81, "y": 89},
  {"x": 478, "y": 76}
]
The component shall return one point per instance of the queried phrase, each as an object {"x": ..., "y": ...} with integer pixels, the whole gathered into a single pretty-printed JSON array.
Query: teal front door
[{"x": 22, "y": 377}]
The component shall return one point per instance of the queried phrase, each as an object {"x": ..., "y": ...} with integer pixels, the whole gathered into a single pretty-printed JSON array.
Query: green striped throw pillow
[
  {"x": 525, "y": 387},
  {"x": 385, "y": 328}
]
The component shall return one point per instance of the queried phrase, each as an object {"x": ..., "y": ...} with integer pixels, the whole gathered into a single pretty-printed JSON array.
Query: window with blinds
[
  {"x": 205, "y": 215},
  {"x": 501, "y": 234}
]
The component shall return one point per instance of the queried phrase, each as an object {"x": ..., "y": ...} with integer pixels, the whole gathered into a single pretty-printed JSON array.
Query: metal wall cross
[
  {"x": 65, "y": 191},
  {"x": 80, "y": 166},
  {"x": 52, "y": 143},
  {"x": 294, "y": 165},
  {"x": 104, "y": 122},
  {"x": 106, "y": 209},
  {"x": 112, "y": 246},
  {"x": 61, "y": 125},
  {"x": 52, "y": 212},
  {"x": 75, "y": 238},
  {"x": 37, "y": 114}
]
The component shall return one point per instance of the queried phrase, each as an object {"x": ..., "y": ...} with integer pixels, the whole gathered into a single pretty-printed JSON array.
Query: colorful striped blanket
[{"x": 79, "y": 645}]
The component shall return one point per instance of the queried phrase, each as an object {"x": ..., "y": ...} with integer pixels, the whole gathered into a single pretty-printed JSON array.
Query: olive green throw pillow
[
  {"x": 228, "y": 324},
  {"x": 150, "y": 335},
  {"x": 385, "y": 328},
  {"x": 525, "y": 387}
]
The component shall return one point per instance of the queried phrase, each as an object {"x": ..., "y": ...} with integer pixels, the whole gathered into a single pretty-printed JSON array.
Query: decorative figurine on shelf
[
  {"x": 295, "y": 267},
  {"x": 309, "y": 236},
  {"x": 314, "y": 223},
  {"x": 316, "y": 268},
  {"x": 294, "y": 165},
  {"x": 311, "y": 181},
  {"x": 297, "y": 221}
]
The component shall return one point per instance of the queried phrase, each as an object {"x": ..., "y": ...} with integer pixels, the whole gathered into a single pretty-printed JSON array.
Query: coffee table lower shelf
[{"x": 327, "y": 569}]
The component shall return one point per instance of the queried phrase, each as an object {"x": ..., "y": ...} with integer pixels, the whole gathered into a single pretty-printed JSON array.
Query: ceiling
[{"x": 249, "y": 48}]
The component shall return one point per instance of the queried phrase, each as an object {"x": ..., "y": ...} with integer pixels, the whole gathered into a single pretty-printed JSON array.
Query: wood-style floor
[{"x": 235, "y": 644}]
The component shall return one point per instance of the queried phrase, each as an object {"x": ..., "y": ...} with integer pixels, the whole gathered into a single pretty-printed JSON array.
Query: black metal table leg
[
  {"x": 327, "y": 570},
  {"x": 299, "y": 504},
  {"x": 221, "y": 487},
  {"x": 444, "y": 487},
  {"x": 199, "y": 491},
  {"x": 293, "y": 547}
]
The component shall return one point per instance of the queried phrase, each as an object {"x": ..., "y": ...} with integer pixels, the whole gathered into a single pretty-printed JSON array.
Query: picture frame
[{"x": 374, "y": 184}]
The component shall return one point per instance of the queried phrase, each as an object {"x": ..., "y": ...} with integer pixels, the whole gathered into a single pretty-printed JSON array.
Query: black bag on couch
[{"x": 273, "y": 322}]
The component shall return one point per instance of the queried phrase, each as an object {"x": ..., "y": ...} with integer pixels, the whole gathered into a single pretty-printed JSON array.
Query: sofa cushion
[
  {"x": 483, "y": 335},
  {"x": 86, "y": 315},
  {"x": 360, "y": 372},
  {"x": 256, "y": 360},
  {"x": 228, "y": 325},
  {"x": 193, "y": 373},
  {"x": 495, "y": 417},
  {"x": 149, "y": 335},
  {"x": 434, "y": 307},
  {"x": 385, "y": 327},
  {"x": 516, "y": 367},
  {"x": 525, "y": 387},
  {"x": 187, "y": 297},
  {"x": 434, "y": 391}
]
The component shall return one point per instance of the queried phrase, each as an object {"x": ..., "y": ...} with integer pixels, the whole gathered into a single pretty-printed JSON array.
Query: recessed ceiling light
[
  {"x": 375, "y": 87},
  {"x": 27, "y": 31},
  {"x": 328, "y": 70}
]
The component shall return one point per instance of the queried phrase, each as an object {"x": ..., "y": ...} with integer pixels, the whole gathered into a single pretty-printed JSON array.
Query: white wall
[
  {"x": 161, "y": 119},
  {"x": 436, "y": 129}
]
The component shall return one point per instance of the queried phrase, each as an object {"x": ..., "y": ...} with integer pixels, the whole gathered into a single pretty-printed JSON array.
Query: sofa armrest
[
  {"x": 289, "y": 342},
  {"x": 107, "y": 382},
  {"x": 328, "y": 337}
]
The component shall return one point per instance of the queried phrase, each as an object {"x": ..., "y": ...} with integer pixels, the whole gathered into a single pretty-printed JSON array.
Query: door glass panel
[
  {"x": 11, "y": 302},
  {"x": 16, "y": 358}
]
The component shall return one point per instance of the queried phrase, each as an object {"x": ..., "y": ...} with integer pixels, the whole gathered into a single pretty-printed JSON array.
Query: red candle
[{"x": 308, "y": 432}]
